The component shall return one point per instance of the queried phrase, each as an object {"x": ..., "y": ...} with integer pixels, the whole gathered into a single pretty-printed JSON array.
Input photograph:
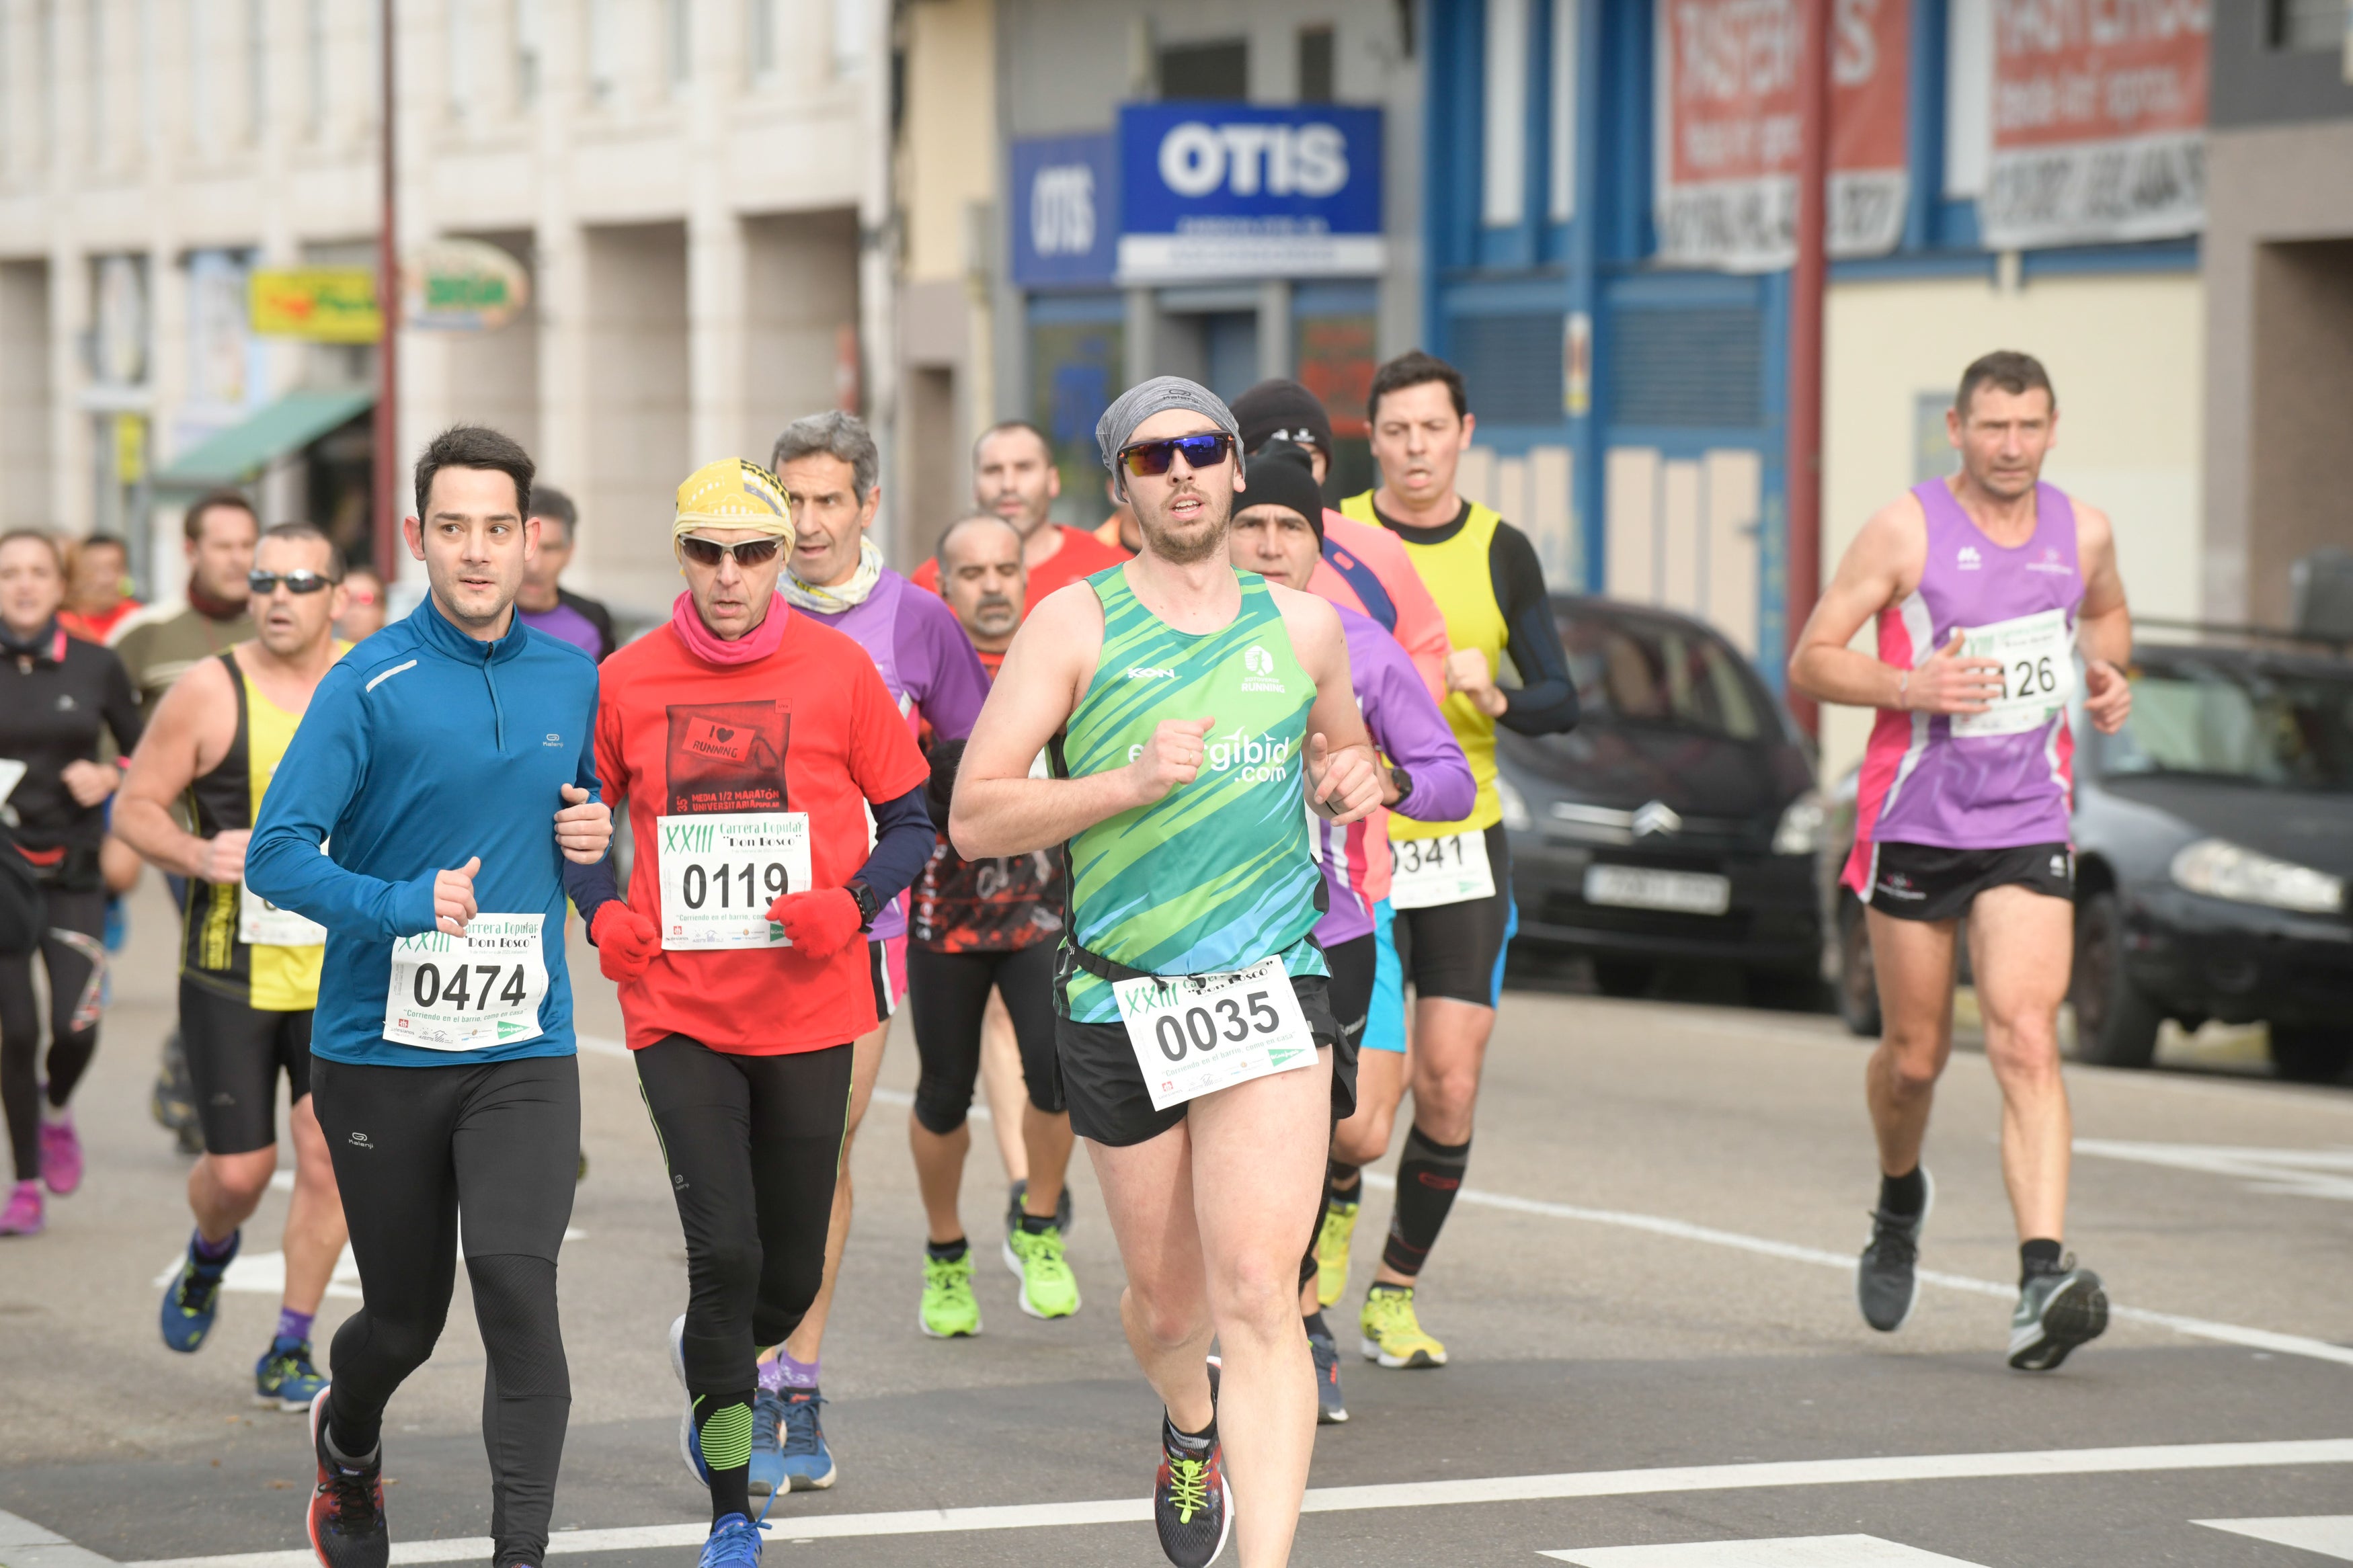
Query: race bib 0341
[{"x": 1426, "y": 872}]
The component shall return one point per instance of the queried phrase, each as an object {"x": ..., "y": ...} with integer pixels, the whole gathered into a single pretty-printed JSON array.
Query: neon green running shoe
[
  {"x": 1332, "y": 1253},
  {"x": 1048, "y": 1288},
  {"x": 1393, "y": 1335},
  {"x": 950, "y": 1309}
]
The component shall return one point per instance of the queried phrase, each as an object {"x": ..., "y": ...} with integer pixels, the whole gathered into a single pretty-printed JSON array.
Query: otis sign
[{"x": 1238, "y": 190}]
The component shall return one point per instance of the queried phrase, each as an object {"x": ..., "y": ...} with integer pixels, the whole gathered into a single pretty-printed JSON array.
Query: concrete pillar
[
  {"x": 1142, "y": 335},
  {"x": 719, "y": 417},
  {"x": 1274, "y": 334}
]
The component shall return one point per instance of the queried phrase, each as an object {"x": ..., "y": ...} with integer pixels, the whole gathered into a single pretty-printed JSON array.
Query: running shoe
[
  {"x": 1048, "y": 1288},
  {"x": 768, "y": 1444},
  {"x": 2056, "y": 1312},
  {"x": 687, "y": 1449},
  {"x": 1393, "y": 1335},
  {"x": 1332, "y": 1252},
  {"x": 347, "y": 1517},
  {"x": 950, "y": 1310},
  {"x": 1330, "y": 1408},
  {"x": 1886, "y": 1282},
  {"x": 284, "y": 1379},
  {"x": 1021, "y": 1191},
  {"x": 192, "y": 1297},
  {"x": 1192, "y": 1507},
  {"x": 60, "y": 1152},
  {"x": 734, "y": 1542},
  {"x": 23, "y": 1215},
  {"x": 808, "y": 1463}
]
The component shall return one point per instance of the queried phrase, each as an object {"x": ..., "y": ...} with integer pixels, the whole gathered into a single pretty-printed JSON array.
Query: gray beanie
[{"x": 1142, "y": 401}]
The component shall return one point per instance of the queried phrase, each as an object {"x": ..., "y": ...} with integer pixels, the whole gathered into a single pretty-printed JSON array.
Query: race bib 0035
[
  {"x": 2037, "y": 655},
  {"x": 1196, "y": 1034},
  {"x": 259, "y": 921},
  {"x": 1426, "y": 872},
  {"x": 720, "y": 873},
  {"x": 463, "y": 993}
]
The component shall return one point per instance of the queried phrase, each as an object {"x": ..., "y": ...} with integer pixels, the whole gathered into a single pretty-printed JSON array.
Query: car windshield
[
  {"x": 1658, "y": 671},
  {"x": 2287, "y": 731}
]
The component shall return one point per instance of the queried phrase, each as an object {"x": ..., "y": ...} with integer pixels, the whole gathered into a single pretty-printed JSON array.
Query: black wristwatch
[
  {"x": 1402, "y": 780},
  {"x": 869, "y": 906}
]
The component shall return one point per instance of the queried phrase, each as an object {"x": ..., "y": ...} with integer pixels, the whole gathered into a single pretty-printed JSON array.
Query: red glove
[
  {"x": 625, "y": 941},
  {"x": 819, "y": 924}
]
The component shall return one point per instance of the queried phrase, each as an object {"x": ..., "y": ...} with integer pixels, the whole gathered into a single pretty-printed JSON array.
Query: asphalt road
[{"x": 1646, "y": 1289}]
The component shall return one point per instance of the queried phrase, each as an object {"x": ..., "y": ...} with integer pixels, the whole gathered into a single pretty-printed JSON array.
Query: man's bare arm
[
  {"x": 1882, "y": 565},
  {"x": 2104, "y": 622},
  {"x": 171, "y": 754}
]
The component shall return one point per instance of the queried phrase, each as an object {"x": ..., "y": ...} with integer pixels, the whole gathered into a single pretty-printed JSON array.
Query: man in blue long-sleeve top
[{"x": 407, "y": 818}]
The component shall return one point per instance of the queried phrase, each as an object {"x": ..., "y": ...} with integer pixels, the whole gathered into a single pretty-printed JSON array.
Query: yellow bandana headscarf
[{"x": 734, "y": 493}]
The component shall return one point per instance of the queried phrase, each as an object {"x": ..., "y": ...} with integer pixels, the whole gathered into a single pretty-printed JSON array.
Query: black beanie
[
  {"x": 1280, "y": 476},
  {"x": 1282, "y": 410}
]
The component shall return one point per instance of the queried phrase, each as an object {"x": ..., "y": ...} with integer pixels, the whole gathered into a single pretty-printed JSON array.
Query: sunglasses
[
  {"x": 1148, "y": 458},
  {"x": 264, "y": 584},
  {"x": 710, "y": 552}
]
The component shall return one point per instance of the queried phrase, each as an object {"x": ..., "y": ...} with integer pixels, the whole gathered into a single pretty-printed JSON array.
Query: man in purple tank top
[
  {"x": 1986, "y": 587},
  {"x": 830, "y": 470}
]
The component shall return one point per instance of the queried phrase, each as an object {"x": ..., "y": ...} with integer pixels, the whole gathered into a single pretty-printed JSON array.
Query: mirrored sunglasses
[
  {"x": 264, "y": 584},
  {"x": 710, "y": 552},
  {"x": 1204, "y": 451}
]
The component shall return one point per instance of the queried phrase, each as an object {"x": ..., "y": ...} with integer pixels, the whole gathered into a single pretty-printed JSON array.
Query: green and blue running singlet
[{"x": 1217, "y": 874}]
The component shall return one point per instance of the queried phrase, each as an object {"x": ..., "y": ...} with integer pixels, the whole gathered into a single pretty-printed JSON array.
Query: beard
[{"x": 1186, "y": 543}]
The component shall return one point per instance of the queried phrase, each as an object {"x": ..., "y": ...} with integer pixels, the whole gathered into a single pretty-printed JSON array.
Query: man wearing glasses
[
  {"x": 248, "y": 973},
  {"x": 1197, "y": 714}
]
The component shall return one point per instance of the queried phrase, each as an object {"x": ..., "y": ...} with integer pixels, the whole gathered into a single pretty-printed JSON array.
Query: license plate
[{"x": 1637, "y": 888}]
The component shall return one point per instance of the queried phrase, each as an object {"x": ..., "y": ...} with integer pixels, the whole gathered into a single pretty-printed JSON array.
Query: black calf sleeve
[
  {"x": 1342, "y": 1184},
  {"x": 1428, "y": 1177},
  {"x": 722, "y": 1436}
]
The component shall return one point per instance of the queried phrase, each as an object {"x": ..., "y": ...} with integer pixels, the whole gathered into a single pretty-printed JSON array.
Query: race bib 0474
[{"x": 463, "y": 993}]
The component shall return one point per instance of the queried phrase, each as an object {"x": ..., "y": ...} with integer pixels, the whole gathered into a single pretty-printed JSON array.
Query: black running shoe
[
  {"x": 1330, "y": 1408},
  {"x": 346, "y": 1520},
  {"x": 1192, "y": 1507},
  {"x": 1886, "y": 1281},
  {"x": 2056, "y": 1312}
]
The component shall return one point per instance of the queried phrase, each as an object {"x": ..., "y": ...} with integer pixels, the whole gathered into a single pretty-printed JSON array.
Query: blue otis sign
[
  {"x": 1065, "y": 210},
  {"x": 1238, "y": 190}
]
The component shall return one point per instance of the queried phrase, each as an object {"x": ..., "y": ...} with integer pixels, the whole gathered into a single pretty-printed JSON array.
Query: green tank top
[{"x": 1217, "y": 874}]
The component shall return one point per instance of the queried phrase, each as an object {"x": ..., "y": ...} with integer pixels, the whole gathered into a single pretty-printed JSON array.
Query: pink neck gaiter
[{"x": 709, "y": 645}]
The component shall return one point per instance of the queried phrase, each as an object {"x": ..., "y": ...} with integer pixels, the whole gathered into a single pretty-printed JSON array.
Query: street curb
[{"x": 24, "y": 1544}]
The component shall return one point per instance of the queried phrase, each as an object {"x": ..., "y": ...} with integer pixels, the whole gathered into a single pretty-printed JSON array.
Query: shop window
[
  {"x": 1315, "y": 64},
  {"x": 1076, "y": 368},
  {"x": 1335, "y": 356},
  {"x": 1217, "y": 70},
  {"x": 2308, "y": 27}
]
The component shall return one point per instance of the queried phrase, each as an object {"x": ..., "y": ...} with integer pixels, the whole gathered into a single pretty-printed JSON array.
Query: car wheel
[
  {"x": 1857, "y": 982},
  {"x": 1622, "y": 977},
  {"x": 2115, "y": 1022},
  {"x": 2309, "y": 1054},
  {"x": 1786, "y": 990}
]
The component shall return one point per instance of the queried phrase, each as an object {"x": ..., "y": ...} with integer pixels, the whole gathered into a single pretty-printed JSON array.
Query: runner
[
  {"x": 438, "y": 757},
  {"x": 98, "y": 597},
  {"x": 982, "y": 929},
  {"x": 56, "y": 694},
  {"x": 1279, "y": 535},
  {"x": 363, "y": 605},
  {"x": 248, "y": 974},
  {"x": 544, "y": 604},
  {"x": 1986, "y": 586},
  {"x": 1194, "y": 701},
  {"x": 829, "y": 465},
  {"x": 1451, "y": 885},
  {"x": 1014, "y": 475},
  {"x": 748, "y": 742}
]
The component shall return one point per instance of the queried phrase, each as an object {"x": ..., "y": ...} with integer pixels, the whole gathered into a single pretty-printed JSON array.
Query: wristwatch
[
  {"x": 869, "y": 906},
  {"x": 1402, "y": 780}
]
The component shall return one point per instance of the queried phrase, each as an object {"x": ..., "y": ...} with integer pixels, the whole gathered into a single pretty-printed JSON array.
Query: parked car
[
  {"x": 2214, "y": 845},
  {"x": 1677, "y": 821}
]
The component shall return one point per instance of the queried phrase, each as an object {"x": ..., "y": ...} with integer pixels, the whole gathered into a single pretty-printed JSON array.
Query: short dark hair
[
  {"x": 102, "y": 540},
  {"x": 1415, "y": 368},
  {"x": 547, "y": 501},
  {"x": 362, "y": 564},
  {"x": 299, "y": 530},
  {"x": 940, "y": 554},
  {"x": 2007, "y": 370},
  {"x": 1045, "y": 442},
  {"x": 474, "y": 446},
  {"x": 192, "y": 524}
]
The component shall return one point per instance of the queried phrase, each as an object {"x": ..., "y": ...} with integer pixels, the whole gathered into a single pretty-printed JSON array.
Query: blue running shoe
[
  {"x": 687, "y": 1449},
  {"x": 768, "y": 1444},
  {"x": 284, "y": 1379},
  {"x": 192, "y": 1297},
  {"x": 807, "y": 1462},
  {"x": 734, "y": 1542}
]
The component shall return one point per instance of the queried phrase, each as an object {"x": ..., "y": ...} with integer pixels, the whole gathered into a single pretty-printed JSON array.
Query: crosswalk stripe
[
  {"x": 2325, "y": 1535},
  {"x": 1785, "y": 1552}
]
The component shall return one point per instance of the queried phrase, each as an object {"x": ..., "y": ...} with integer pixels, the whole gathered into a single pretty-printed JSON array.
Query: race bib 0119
[
  {"x": 1196, "y": 1034},
  {"x": 2037, "y": 655},
  {"x": 1426, "y": 872},
  {"x": 463, "y": 993},
  {"x": 720, "y": 872},
  {"x": 260, "y": 921}
]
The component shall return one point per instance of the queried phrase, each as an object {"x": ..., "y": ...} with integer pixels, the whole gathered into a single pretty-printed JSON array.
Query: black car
[
  {"x": 1677, "y": 821},
  {"x": 2213, "y": 846}
]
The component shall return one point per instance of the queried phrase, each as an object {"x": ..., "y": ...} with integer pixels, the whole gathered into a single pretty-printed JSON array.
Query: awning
[{"x": 242, "y": 451}]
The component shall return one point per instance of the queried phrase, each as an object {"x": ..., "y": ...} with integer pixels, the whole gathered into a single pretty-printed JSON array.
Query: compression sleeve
[
  {"x": 903, "y": 842},
  {"x": 590, "y": 889},
  {"x": 1544, "y": 702}
]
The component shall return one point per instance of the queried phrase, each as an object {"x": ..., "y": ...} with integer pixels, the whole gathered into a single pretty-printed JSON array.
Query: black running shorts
[
  {"x": 1457, "y": 950},
  {"x": 1105, "y": 1091},
  {"x": 234, "y": 1054},
  {"x": 1927, "y": 882}
]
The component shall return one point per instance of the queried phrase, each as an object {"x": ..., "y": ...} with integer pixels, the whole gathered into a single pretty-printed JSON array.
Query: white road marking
[
  {"x": 264, "y": 1273},
  {"x": 24, "y": 1544},
  {"x": 2324, "y": 1535},
  {"x": 1785, "y": 1552},
  {"x": 2297, "y": 1172},
  {"x": 1878, "y": 1471},
  {"x": 1681, "y": 1230}
]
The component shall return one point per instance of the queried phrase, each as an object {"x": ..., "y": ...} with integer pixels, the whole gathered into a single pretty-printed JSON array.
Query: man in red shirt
[
  {"x": 1013, "y": 475},
  {"x": 749, "y": 740}
]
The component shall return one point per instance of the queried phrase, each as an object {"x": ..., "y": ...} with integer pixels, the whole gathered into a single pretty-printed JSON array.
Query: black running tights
[
  {"x": 753, "y": 1144},
  {"x": 75, "y": 958},
  {"x": 414, "y": 1148}
]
